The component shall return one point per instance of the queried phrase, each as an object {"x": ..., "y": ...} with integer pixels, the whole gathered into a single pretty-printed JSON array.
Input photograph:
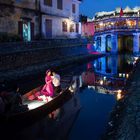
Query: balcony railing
[{"x": 119, "y": 28}]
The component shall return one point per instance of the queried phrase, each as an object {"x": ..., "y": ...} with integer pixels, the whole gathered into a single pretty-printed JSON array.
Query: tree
[{"x": 83, "y": 18}]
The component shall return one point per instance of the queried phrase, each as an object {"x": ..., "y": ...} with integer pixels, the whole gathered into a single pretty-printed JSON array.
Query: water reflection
[
  {"x": 98, "y": 99},
  {"x": 114, "y": 65},
  {"x": 111, "y": 74}
]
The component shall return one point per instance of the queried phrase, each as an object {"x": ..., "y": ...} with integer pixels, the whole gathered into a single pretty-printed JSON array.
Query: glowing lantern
[
  {"x": 127, "y": 75},
  {"x": 101, "y": 82},
  {"x": 101, "y": 24}
]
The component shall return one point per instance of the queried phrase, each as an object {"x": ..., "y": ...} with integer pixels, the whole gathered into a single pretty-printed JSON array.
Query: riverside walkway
[{"x": 125, "y": 118}]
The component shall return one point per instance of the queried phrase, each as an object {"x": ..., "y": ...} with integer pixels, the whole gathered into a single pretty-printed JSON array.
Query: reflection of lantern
[
  {"x": 104, "y": 78},
  {"x": 120, "y": 74},
  {"x": 101, "y": 82},
  {"x": 127, "y": 75},
  {"x": 101, "y": 24},
  {"x": 136, "y": 58},
  {"x": 119, "y": 96}
]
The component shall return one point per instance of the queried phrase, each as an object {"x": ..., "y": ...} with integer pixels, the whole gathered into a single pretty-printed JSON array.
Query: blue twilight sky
[{"x": 90, "y": 7}]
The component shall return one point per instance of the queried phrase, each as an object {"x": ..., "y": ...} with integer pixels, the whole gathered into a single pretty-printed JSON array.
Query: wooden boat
[{"x": 21, "y": 120}]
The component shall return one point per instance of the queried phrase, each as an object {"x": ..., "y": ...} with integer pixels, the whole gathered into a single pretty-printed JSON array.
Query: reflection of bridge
[
  {"x": 117, "y": 34},
  {"x": 112, "y": 77},
  {"x": 110, "y": 82},
  {"x": 107, "y": 84}
]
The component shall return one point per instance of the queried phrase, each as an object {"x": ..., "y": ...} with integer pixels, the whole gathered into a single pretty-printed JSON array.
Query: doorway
[
  {"x": 48, "y": 28},
  {"x": 26, "y": 31},
  {"x": 125, "y": 43}
]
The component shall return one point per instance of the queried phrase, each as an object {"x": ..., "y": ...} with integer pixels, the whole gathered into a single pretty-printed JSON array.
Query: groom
[{"x": 56, "y": 83}]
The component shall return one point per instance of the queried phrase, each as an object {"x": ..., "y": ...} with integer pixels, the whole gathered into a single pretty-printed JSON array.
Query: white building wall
[
  {"x": 58, "y": 16},
  {"x": 75, "y": 15}
]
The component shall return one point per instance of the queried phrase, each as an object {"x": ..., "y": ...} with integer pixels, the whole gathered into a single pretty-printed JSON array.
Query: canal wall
[
  {"x": 125, "y": 118},
  {"x": 20, "y": 59}
]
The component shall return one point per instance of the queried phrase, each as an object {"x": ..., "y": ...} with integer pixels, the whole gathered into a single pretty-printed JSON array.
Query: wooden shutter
[
  {"x": 32, "y": 30},
  {"x": 20, "y": 29}
]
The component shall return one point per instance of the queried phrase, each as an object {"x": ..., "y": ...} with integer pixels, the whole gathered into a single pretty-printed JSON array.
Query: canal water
[{"x": 97, "y": 102}]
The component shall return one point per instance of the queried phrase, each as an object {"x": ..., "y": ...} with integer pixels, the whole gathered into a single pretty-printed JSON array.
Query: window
[
  {"x": 64, "y": 26},
  {"x": 139, "y": 23},
  {"x": 48, "y": 2},
  {"x": 77, "y": 28},
  {"x": 60, "y": 4},
  {"x": 73, "y": 8},
  {"x": 72, "y": 28}
]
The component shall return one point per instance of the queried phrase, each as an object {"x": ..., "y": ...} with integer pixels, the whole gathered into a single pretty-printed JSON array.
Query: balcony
[{"x": 117, "y": 25}]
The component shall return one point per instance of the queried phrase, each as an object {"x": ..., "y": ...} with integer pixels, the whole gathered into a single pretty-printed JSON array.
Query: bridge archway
[
  {"x": 125, "y": 43},
  {"x": 108, "y": 43}
]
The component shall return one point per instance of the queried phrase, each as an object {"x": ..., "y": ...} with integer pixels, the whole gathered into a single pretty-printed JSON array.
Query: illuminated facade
[
  {"x": 88, "y": 28},
  {"x": 118, "y": 32},
  {"x": 60, "y": 18},
  {"x": 34, "y": 19}
]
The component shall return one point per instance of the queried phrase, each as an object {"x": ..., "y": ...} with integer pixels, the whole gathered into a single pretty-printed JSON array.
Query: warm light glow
[
  {"x": 101, "y": 82},
  {"x": 134, "y": 62},
  {"x": 91, "y": 87},
  {"x": 128, "y": 22},
  {"x": 119, "y": 91},
  {"x": 101, "y": 24},
  {"x": 43, "y": 97},
  {"x": 127, "y": 75},
  {"x": 120, "y": 74},
  {"x": 136, "y": 58},
  {"x": 35, "y": 104},
  {"x": 119, "y": 96},
  {"x": 112, "y": 23}
]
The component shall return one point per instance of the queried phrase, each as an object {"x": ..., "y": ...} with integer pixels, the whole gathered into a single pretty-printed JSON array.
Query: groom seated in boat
[{"x": 56, "y": 83}]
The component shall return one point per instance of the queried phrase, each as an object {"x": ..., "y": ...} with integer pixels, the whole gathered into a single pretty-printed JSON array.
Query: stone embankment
[
  {"x": 22, "y": 59},
  {"x": 125, "y": 118}
]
